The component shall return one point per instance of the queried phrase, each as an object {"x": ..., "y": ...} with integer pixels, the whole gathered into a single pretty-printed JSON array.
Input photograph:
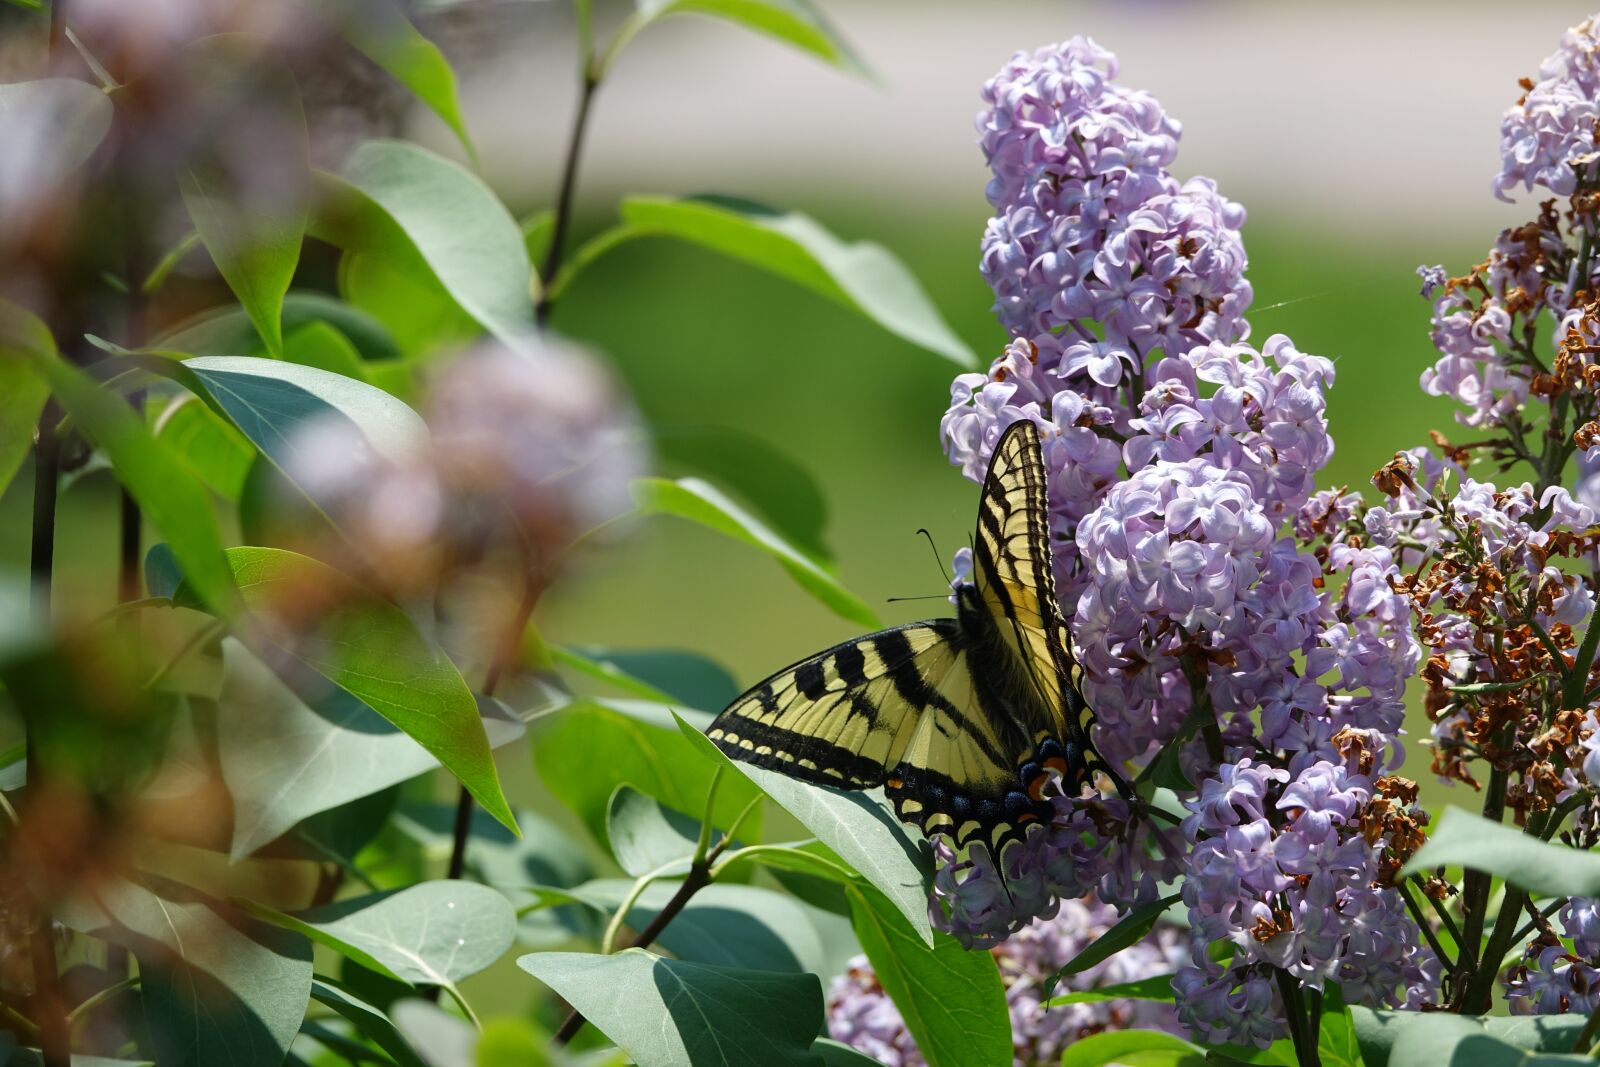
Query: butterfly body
[{"x": 961, "y": 720}]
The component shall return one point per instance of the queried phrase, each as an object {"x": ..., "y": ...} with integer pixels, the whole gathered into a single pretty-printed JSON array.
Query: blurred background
[{"x": 1360, "y": 137}]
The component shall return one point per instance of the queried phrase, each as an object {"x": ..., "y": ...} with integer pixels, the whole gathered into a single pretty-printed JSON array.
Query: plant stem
[
  {"x": 48, "y": 1011},
  {"x": 1480, "y": 986},
  {"x": 1422, "y": 924},
  {"x": 699, "y": 877},
  {"x": 88, "y": 1004},
  {"x": 1586, "y": 1037},
  {"x": 1305, "y": 1045},
  {"x": 569, "y": 183},
  {"x": 1475, "y": 884}
]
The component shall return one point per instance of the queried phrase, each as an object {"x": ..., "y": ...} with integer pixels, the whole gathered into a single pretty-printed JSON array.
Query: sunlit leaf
[
  {"x": 951, "y": 999},
  {"x": 644, "y": 835},
  {"x": 1157, "y": 988},
  {"x": 227, "y": 331},
  {"x": 706, "y": 505},
  {"x": 798, "y": 23},
  {"x": 1336, "y": 1040},
  {"x": 285, "y": 760},
  {"x": 1130, "y": 929},
  {"x": 380, "y": 30},
  {"x": 857, "y": 826},
  {"x": 1463, "y": 839},
  {"x": 22, "y": 395},
  {"x": 864, "y": 277},
  {"x": 1377, "y": 1032},
  {"x": 1148, "y": 1048},
  {"x": 320, "y": 345},
  {"x": 217, "y": 452},
  {"x": 371, "y": 1023},
  {"x": 399, "y": 200},
  {"x": 672, "y": 1013},
  {"x": 217, "y": 987},
  {"x": 433, "y": 933},
  {"x": 666, "y": 676}
]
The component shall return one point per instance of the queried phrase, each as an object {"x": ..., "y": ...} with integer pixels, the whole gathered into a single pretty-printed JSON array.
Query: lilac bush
[{"x": 1246, "y": 637}]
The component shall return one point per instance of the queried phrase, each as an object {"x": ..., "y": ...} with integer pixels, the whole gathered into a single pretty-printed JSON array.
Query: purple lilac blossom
[
  {"x": 1553, "y": 980},
  {"x": 860, "y": 1014},
  {"x": 1549, "y": 136}
]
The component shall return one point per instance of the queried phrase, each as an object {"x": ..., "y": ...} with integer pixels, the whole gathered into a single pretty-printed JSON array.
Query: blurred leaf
[
  {"x": 644, "y": 835},
  {"x": 838, "y": 1054},
  {"x": 951, "y": 999},
  {"x": 54, "y": 125},
  {"x": 380, "y": 30},
  {"x": 1377, "y": 1032},
  {"x": 512, "y": 1042},
  {"x": 403, "y": 294},
  {"x": 30, "y": 1057},
  {"x": 370, "y": 649},
  {"x": 227, "y": 331},
  {"x": 588, "y": 749},
  {"x": 1148, "y": 1048},
  {"x": 1130, "y": 929},
  {"x": 666, "y": 676},
  {"x": 441, "y": 1039},
  {"x": 730, "y": 925},
  {"x": 369, "y": 1022},
  {"x": 1336, "y": 1040},
  {"x": 772, "y": 480},
  {"x": 217, "y": 987},
  {"x": 538, "y": 230},
  {"x": 859, "y": 828},
  {"x": 1442, "y": 1038},
  {"x": 1463, "y": 839},
  {"x": 794, "y": 22},
  {"x": 672, "y": 1013},
  {"x": 172, "y": 498},
  {"x": 256, "y": 253},
  {"x": 23, "y": 391},
  {"x": 704, "y": 504},
  {"x": 217, "y": 452},
  {"x": 1157, "y": 988},
  {"x": 319, "y": 345},
  {"x": 864, "y": 277},
  {"x": 434, "y": 933},
  {"x": 285, "y": 760},
  {"x": 399, "y": 200}
]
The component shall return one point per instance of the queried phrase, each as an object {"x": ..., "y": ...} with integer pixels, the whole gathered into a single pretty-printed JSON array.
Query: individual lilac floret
[
  {"x": 1548, "y": 138},
  {"x": 1552, "y": 981},
  {"x": 860, "y": 1014},
  {"x": 1089, "y": 226}
]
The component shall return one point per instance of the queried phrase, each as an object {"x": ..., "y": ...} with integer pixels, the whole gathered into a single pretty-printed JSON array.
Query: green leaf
[
  {"x": 256, "y": 253},
  {"x": 1130, "y": 929},
  {"x": 217, "y": 986},
  {"x": 589, "y": 748},
  {"x": 798, "y": 23},
  {"x": 779, "y": 487},
  {"x": 730, "y": 925},
  {"x": 1336, "y": 1041},
  {"x": 857, "y": 826},
  {"x": 1464, "y": 839},
  {"x": 172, "y": 498},
  {"x": 413, "y": 305},
  {"x": 838, "y": 1054},
  {"x": 666, "y": 676},
  {"x": 1442, "y": 1038},
  {"x": 212, "y": 447},
  {"x": 396, "y": 199},
  {"x": 319, "y": 345},
  {"x": 23, "y": 391},
  {"x": 373, "y": 651},
  {"x": 863, "y": 277},
  {"x": 538, "y": 230},
  {"x": 672, "y": 1013},
  {"x": 951, "y": 999},
  {"x": 1157, "y": 988},
  {"x": 704, "y": 504},
  {"x": 644, "y": 835},
  {"x": 441, "y": 1039},
  {"x": 285, "y": 760},
  {"x": 434, "y": 933},
  {"x": 371, "y": 1023},
  {"x": 380, "y": 30},
  {"x": 227, "y": 331},
  {"x": 1147, "y": 1048},
  {"x": 1378, "y": 1032}
]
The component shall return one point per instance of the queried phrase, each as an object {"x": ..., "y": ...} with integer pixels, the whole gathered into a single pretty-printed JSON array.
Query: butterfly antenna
[
  {"x": 930, "y": 596},
  {"x": 937, "y": 557}
]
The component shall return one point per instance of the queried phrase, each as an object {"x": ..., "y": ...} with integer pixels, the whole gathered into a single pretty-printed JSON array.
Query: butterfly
[{"x": 960, "y": 720}]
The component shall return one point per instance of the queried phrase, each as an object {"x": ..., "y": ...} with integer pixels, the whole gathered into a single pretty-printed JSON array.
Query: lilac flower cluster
[
  {"x": 1553, "y": 980},
  {"x": 1282, "y": 871},
  {"x": 860, "y": 1014},
  {"x": 1548, "y": 138},
  {"x": 1089, "y": 224}
]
